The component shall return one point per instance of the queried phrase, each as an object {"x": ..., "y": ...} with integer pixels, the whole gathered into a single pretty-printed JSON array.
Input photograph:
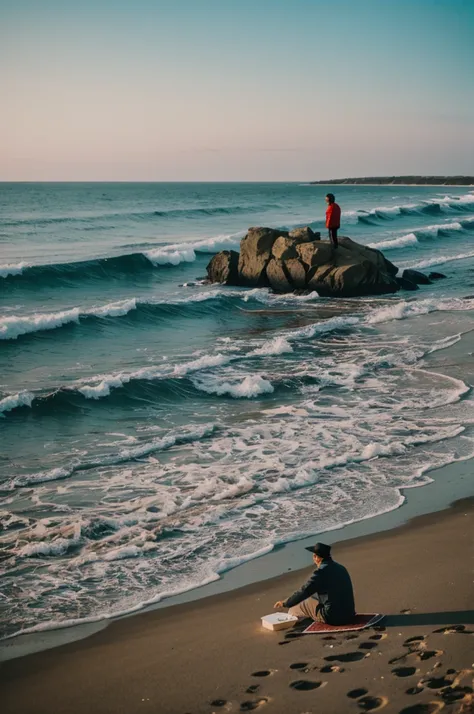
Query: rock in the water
[
  {"x": 436, "y": 276},
  {"x": 300, "y": 261},
  {"x": 284, "y": 248},
  {"x": 277, "y": 278},
  {"x": 296, "y": 273},
  {"x": 406, "y": 284},
  {"x": 416, "y": 277},
  {"x": 255, "y": 253},
  {"x": 303, "y": 235},
  {"x": 224, "y": 268},
  {"x": 317, "y": 253},
  {"x": 351, "y": 279},
  {"x": 371, "y": 254}
]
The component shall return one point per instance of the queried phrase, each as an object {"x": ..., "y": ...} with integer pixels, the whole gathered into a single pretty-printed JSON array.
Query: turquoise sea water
[{"x": 157, "y": 431}]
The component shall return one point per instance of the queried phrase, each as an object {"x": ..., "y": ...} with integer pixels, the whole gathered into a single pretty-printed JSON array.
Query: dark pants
[{"x": 333, "y": 236}]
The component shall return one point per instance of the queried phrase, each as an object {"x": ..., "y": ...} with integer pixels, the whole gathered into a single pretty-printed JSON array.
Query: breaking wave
[
  {"x": 117, "y": 266},
  {"x": 13, "y": 326},
  {"x": 176, "y": 382},
  {"x": 401, "y": 242},
  {"x": 426, "y": 208},
  {"x": 436, "y": 260},
  {"x": 205, "y": 302},
  {"x": 438, "y": 230}
]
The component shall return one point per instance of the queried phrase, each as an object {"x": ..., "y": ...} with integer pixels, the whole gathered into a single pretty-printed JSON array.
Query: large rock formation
[{"x": 299, "y": 260}]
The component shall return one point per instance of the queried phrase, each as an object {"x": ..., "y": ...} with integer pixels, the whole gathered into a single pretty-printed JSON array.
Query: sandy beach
[{"x": 212, "y": 655}]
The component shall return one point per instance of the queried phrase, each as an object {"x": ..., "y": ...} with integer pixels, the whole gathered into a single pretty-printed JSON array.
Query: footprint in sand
[
  {"x": 304, "y": 685},
  {"x": 436, "y": 682},
  {"x": 351, "y": 637},
  {"x": 428, "y": 708},
  {"x": 415, "y": 690},
  {"x": 404, "y": 671},
  {"x": 284, "y": 642},
  {"x": 367, "y": 645},
  {"x": 454, "y": 629},
  {"x": 372, "y": 704},
  {"x": 331, "y": 668},
  {"x": 411, "y": 641},
  {"x": 262, "y": 673},
  {"x": 377, "y": 637},
  {"x": 252, "y": 704},
  {"x": 428, "y": 654},
  {"x": 219, "y": 703},
  {"x": 347, "y": 657},
  {"x": 298, "y": 665},
  {"x": 356, "y": 693},
  {"x": 252, "y": 689},
  {"x": 455, "y": 694}
]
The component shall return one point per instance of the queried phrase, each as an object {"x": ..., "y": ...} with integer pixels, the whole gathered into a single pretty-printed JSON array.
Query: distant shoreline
[{"x": 399, "y": 181}]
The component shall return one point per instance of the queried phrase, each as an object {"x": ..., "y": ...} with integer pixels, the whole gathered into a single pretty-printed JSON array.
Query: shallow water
[{"x": 156, "y": 435}]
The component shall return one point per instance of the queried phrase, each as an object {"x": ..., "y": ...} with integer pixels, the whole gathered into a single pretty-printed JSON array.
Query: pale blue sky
[{"x": 235, "y": 89}]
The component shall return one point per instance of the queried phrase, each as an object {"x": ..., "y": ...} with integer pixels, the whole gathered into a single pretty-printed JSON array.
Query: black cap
[{"x": 321, "y": 549}]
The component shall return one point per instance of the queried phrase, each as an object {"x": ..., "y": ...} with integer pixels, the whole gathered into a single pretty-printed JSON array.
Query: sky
[{"x": 235, "y": 90}]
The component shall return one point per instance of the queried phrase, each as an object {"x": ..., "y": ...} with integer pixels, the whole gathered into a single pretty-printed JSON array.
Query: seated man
[{"x": 327, "y": 596}]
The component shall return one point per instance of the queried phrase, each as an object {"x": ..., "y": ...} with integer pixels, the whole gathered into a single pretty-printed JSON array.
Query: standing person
[
  {"x": 327, "y": 596},
  {"x": 333, "y": 218}
]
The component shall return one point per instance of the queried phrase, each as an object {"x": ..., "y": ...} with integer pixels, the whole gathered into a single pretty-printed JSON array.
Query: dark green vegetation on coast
[{"x": 404, "y": 181}]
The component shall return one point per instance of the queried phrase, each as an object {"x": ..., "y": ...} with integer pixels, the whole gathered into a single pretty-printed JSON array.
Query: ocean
[{"x": 157, "y": 431}]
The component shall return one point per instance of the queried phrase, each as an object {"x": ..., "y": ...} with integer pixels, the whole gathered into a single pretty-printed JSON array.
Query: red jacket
[{"x": 333, "y": 216}]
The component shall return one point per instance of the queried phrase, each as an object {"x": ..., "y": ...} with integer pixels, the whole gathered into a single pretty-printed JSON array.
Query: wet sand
[{"x": 212, "y": 655}]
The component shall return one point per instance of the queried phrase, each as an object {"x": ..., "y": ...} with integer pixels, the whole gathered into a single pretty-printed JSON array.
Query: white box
[{"x": 278, "y": 621}]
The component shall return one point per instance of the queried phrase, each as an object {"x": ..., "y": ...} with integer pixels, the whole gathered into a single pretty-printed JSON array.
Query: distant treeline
[{"x": 410, "y": 180}]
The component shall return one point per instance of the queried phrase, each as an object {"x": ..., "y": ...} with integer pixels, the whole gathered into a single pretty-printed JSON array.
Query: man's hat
[{"x": 321, "y": 549}]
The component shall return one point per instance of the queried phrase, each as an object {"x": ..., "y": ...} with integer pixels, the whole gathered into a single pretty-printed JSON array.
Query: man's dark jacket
[{"x": 331, "y": 585}]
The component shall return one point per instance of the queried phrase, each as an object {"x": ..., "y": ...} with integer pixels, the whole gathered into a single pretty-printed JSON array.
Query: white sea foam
[
  {"x": 57, "y": 474},
  {"x": 104, "y": 387},
  {"x": 107, "y": 382},
  {"x": 403, "y": 309},
  {"x": 13, "y": 326},
  {"x": 204, "y": 362},
  {"x": 279, "y": 345},
  {"x": 121, "y": 456},
  {"x": 401, "y": 242},
  {"x": 447, "y": 202},
  {"x": 112, "y": 309},
  {"x": 251, "y": 386},
  {"x": 12, "y": 269},
  {"x": 437, "y": 260},
  {"x": 221, "y": 242},
  {"x": 170, "y": 256},
  {"x": 162, "y": 443},
  {"x": 21, "y": 399},
  {"x": 59, "y": 546},
  {"x": 454, "y": 226},
  {"x": 320, "y": 328},
  {"x": 467, "y": 198},
  {"x": 185, "y": 252}
]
